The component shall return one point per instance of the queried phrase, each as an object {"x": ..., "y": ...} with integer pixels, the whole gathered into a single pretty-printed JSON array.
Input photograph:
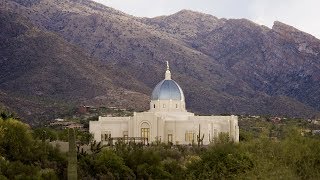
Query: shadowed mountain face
[
  {"x": 42, "y": 74},
  {"x": 81, "y": 50}
]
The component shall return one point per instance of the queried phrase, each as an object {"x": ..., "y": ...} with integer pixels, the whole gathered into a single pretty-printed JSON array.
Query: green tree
[
  {"x": 4, "y": 115},
  {"x": 45, "y": 134},
  {"x": 85, "y": 138},
  {"x": 16, "y": 142},
  {"x": 221, "y": 161},
  {"x": 146, "y": 163},
  {"x": 108, "y": 163},
  {"x": 23, "y": 157},
  {"x": 301, "y": 153}
]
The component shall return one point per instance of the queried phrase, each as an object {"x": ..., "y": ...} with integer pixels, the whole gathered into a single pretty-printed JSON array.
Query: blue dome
[{"x": 166, "y": 90}]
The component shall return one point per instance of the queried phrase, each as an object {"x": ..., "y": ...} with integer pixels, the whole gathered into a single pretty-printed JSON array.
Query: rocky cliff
[{"x": 223, "y": 65}]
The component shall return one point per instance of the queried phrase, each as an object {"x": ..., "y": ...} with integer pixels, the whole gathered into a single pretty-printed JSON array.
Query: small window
[
  {"x": 105, "y": 135},
  {"x": 176, "y": 105},
  {"x": 170, "y": 137},
  {"x": 189, "y": 136},
  {"x": 154, "y": 106},
  {"x": 215, "y": 132},
  {"x": 125, "y": 136},
  {"x": 164, "y": 106}
]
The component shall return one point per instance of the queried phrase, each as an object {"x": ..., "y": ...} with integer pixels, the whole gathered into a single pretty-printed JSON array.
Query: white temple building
[{"x": 166, "y": 121}]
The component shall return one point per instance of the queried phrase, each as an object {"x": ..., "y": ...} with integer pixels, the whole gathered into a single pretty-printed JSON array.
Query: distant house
[
  {"x": 316, "y": 121},
  {"x": 59, "y": 120},
  {"x": 66, "y": 124},
  {"x": 316, "y": 132},
  {"x": 82, "y": 109},
  {"x": 75, "y": 125},
  {"x": 85, "y": 109},
  {"x": 275, "y": 119}
]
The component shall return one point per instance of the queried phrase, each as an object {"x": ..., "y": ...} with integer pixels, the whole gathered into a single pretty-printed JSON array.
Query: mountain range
[{"x": 59, "y": 54}]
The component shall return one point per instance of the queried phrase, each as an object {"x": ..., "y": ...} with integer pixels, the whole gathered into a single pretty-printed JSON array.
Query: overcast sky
[{"x": 302, "y": 14}]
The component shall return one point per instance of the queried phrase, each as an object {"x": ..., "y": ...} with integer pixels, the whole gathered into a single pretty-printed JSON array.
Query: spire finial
[{"x": 168, "y": 73}]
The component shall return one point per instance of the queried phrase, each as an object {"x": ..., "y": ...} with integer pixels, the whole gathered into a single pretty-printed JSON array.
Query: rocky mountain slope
[
  {"x": 223, "y": 66},
  {"x": 277, "y": 61},
  {"x": 41, "y": 72}
]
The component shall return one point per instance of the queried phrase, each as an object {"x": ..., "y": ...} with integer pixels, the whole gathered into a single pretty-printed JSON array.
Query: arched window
[
  {"x": 154, "y": 106},
  {"x": 170, "y": 137},
  {"x": 176, "y": 105},
  {"x": 145, "y": 130}
]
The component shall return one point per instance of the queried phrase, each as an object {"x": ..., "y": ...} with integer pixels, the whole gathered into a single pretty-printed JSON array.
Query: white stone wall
[
  {"x": 116, "y": 125},
  {"x": 218, "y": 124},
  {"x": 167, "y": 106},
  {"x": 162, "y": 124}
]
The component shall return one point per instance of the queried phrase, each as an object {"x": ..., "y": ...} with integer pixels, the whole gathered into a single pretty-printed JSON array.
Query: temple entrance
[{"x": 145, "y": 131}]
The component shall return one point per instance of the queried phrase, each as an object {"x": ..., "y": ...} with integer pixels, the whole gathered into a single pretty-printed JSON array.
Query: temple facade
[{"x": 167, "y": 120}]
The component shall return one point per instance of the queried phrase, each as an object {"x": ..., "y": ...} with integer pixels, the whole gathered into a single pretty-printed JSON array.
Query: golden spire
[{"x": 168, "y": 73}]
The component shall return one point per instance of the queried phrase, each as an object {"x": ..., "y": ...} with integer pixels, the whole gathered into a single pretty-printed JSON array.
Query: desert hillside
[{"x": 75, "y": 52}]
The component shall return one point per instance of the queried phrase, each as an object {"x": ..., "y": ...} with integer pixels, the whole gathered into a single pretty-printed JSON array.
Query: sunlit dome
[{"x": 167, "y": 89}]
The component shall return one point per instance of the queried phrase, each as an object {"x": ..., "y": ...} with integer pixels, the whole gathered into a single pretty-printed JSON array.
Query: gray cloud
[{"x": 300, "y": 14}]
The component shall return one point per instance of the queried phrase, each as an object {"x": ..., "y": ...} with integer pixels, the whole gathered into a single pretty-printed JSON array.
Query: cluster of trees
[
  {"x": 294, "y": 157},
  {"x": 24, "y": 157},
  {"x": 26, "y": 154},
  {"x": 46, "y": 133}
]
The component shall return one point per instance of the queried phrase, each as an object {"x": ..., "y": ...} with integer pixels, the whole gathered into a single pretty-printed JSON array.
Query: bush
[{"x": 221, "y": 161}]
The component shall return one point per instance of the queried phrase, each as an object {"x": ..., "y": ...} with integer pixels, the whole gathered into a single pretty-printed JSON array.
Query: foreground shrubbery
[
  {"x": 295, "y": 157},
  {"x": 23, "y": 155}
]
